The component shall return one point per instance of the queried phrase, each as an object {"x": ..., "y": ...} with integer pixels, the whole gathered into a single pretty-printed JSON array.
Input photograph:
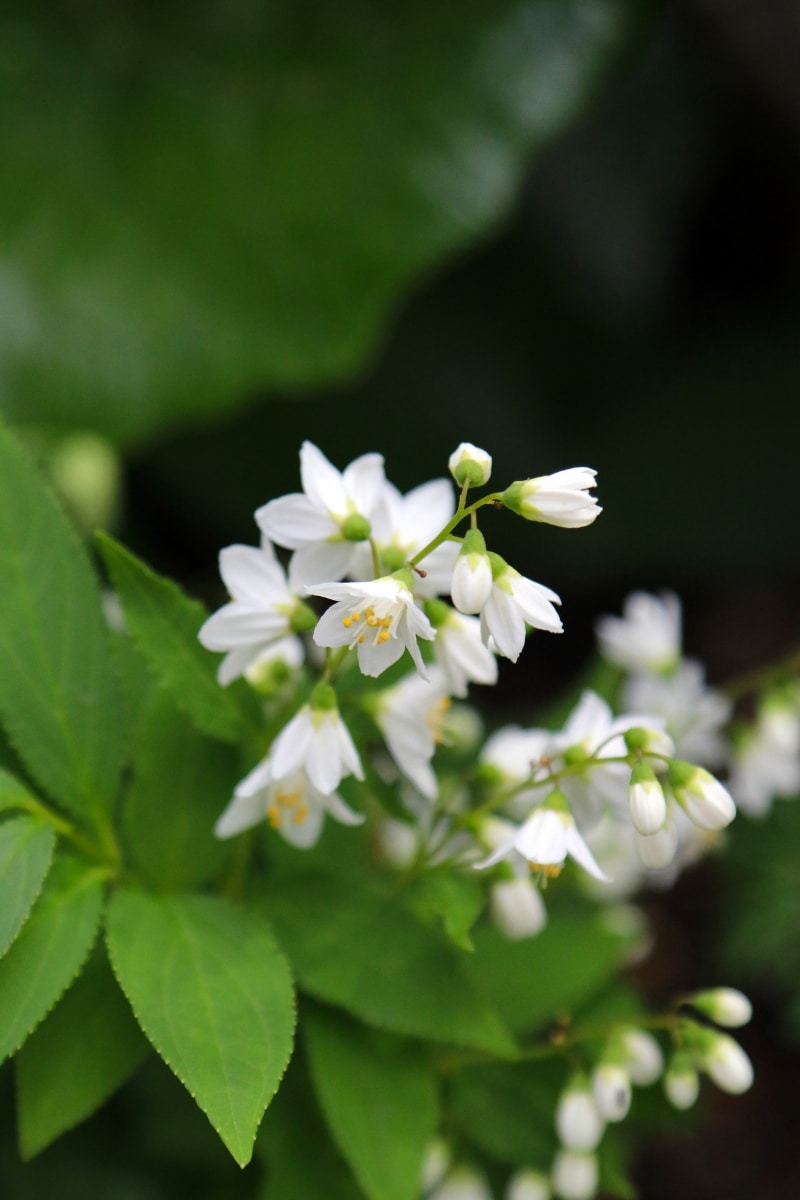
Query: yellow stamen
[
  {"x": 273, "y": 812},
  {"x": 301, "y": 814}
]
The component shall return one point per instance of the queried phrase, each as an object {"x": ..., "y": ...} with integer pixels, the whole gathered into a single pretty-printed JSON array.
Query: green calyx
[
  {"x": 557, "y": 801},
  {"x": 499, "y": 565},
  {"x": 405, "y": 576},
  {"x": 637, "y": 738},
  {"x": 303, "y": 618},
  {"x": 323, "y": 698},
  {"x": 393, "y": 558},
  {"x": 643, "y": 773},
  {"x": 681, "y": 773},
  {"x": 471, "y": 472},
  {"x": 355, "y": 528},
  {"x": 474, "y": 543}
]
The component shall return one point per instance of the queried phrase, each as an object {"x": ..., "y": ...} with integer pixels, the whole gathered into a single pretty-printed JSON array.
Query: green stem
[
  {"x": 105, "y": 852},
  {"x": 461, "y": 512}
]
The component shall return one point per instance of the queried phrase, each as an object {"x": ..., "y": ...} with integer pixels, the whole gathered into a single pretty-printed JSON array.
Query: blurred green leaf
[
  {"x": 59, "y": 697},
  {"x": 507, "y": 1109},
  {"x": 203, "y": 199},
  {"x": 80, "y": 1054},
  {"x": 451, "y": 898},
  {"x": 214, "y": 995},
  {"x": 353, "y": 946},
  {"x": 163, "y": 622},
  {"x": 26, "y": 848},
  {"x": 49, "y": 950},
  {"x": 181, "y": 783},
  {"x": 378, "y": 1094}
]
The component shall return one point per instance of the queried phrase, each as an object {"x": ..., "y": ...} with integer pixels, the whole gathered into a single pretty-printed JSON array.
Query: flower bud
[
  {"x": 471, "y": 584},
  {"x": 528, "y": 1185},
  {"x": 469, "y": 464},
  {"x": 681, "y": 1082},
  {"x": 611, "y": 1088},
  {"x": 574, "y": 1175},
  {"x": 702, "y": 797},
  {"x": 643, "y": 1056},
  {"x": 646, "y": 800},
  {"x": 727, "y": 1064},
  {"x": 355, "y": 528},
  {"x": 517, "y": 908},
  {"x": 724, "y": 1005},
  {"x": 578, "y": 1123},
  {"x": 561, "y": 499},
  {"x": 657, "y": 850}
]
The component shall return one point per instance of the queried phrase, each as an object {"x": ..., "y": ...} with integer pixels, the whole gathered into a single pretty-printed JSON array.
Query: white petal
[
  {"x": 578, "y": 849},
  {"x": 324, "y": 560},
  {"x": 302, "y": 834},
  {"x": 292, "y": 745},
  {"x": 294, "y": 521},
  {"x": 342, "y": 812},
  {"x": 243, "y": 812},
  {"x": 502, "y": 620},
  {"x": 364, "y": 480},
  {"x": 375, "y": 658},
  {"x": 322, "y": 483},
  {"x": 250, "y": 574},
  {"x": 536, "y": 604}
]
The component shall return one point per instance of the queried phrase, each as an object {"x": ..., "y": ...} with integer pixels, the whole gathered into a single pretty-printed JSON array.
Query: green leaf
[
  {"x": 59, "y": 698},
  {"x": 13, "y": 792},
  {"x": 214, "y": 995},
  {"x": 234, "y": 198},
  {"x": 292, "y": 1125},
  {"x": 80, "y": 1054},
  {"x": 49, "y": 951},
  {"x": 26, "y": 849},
  {"x": 532, "y": 980},
  {"x": 455, "y": 900},
  {"x": 378, "y": 1094},
  {"x": 163, "y": 622},
  {"x": 181, "y": 783},
  {"x": 506, "y": 1110},
  {"x": 363, "y": 951}
]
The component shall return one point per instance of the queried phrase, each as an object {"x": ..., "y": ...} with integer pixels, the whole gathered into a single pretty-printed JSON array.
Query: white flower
[
  {"x": 766, "y": 762},
  {"x": 292, "y": 805},
  {"x": 646, "y": 800},
  {"x": 647, "y": 637},
  {"x": 325, "y": 521},
  {"x": 693, "y": 713},
  {"x": 727, "y": 1064},
  {"x": 611, "y": 1088},
  {"x": 410, "y": 717},
  {"x": 545, "y": 840},
  {"x": 517, "y": 908},
  {"x": 459, "y": 649},
  {"x": 515, "y": 754},
  {"x": 574, "y": 1175},
  {"x": 528, "y": 1185},
  {"x": 681, "y": 1083},
  {"x": 463, "y": 1183},
  {"x": 379, "y": 619},
  {"x": 578, "y": 1122},
  {"x": 318, "y": 739},
  {"x": 402, "y": 525},
  {"x": 513, "y": 601},
  {"x": 559, "y": 499},
  {"x": 702, "y": 797},
  {"x": 471, "y": 583},
  {"x": 259, "y": 614},
  {"x": 468, "y": 462}
]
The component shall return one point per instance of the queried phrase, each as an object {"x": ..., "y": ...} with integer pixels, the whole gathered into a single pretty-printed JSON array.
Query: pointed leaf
[
  {"x": 13, "y": 792},
  {"x": 378, "y": 1094},
  {"x": 49, "y": 951},
  {"x": 59, "y": 698},
  {"x": 80, "y": 1054},
  {"x": 182, "y": 781},
  {"x": 26, "y": 848},
  {"x": 164, "y": 622},
  {"x": 352, "y": 946},
  {"x": 214, "y": 996}
]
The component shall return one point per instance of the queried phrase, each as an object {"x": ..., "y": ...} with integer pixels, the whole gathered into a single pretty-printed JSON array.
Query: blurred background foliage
[{"x": 568, "y": 230}]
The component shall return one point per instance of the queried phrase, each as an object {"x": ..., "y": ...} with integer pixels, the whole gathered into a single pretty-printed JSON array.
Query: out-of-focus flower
[
  {"x": 647, "y": 637},
  {"x": 292, "y": 805}
]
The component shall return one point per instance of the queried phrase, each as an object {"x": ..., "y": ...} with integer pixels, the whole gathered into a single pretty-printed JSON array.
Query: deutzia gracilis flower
[
  {"x": 727, "y": 1064},
  {"x": 578, "y": 1122},
  {"x": 559, "y": 499},
  {"x": 647, "y": 637},
  {"x": 513, "y": 601},
  {"x": 517, "y": 908},
  {"x": 611, "y": 1088},
  {"x": 545, "y": 840},
  {"x": 574, "y": 1175},
  {"x": 325, "y": 521},
  {"x": 261, "y": 613},
  {"x": 724, "y": 1005},
  {"x": 702, "y": 797},
  {"x": 292, "y": 805},
  {"x": 318, "y": 739},
  {"x": 528, "y": 1185},
  {"x": 646, "y": 800},
  {"x": 693, "y": 713},
  {"x": 471, "y": 584},
  {"x": 459, "y": 650},
  {"x": 402, "y": 525},
  {"x": 410, "y": 717},
  {"x": 468, "y": 462},
  {"x": 643, "y": 1058},
  {"x": 464, "y": 1183},
  {"x": 681, "y": 1082},
  {"x": 766, "y": 762},
  {"x": 379, "y": 619}
]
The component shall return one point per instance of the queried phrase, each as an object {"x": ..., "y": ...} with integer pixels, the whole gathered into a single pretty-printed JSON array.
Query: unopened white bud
[
  {"x": 528, "y": 1185},
  {"x": 643, "y": 1056},
  {"x": 657, "y": 850},
  {"x": 464, "y": 1183},
  {"x": 724, "y": 1005},
  {"x": 470, "y": 464},
  {"x": 646, "y": 800},
  {"x": 728, "y": 1065},
  {"x": 681, "y": 1083},
  {"x": 560, "y": 499},
  {"x": 702, "y": 797},
  {"x": 471, "y": 583},
  {"x": 578, "y": 1123},
  {"x": 517, "y": 908},
  {"x": 611, "y": 1088},
  {"x": 574, "y": 1175}
]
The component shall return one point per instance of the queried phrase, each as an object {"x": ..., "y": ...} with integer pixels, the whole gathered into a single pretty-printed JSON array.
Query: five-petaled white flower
[
  {"x": 378, "y": 618},
  {"x": 324, "y": 523},
  {"x": 317, "y": 739},
  {"x": 545, "y": 840},
  {"x": 261, "y": 613},
  {"x": 514, "y": 601},
  {"x": 559, "y": 499},
  {"x": 647, "y": 637},
  {"x": 292, "y": 805}
]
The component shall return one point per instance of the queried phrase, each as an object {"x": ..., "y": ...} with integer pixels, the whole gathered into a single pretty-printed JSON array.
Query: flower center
[
  {"x": 282, "y": 803},
  {"x": 545, "y": 871},
  {"x": 435, "y": 715},
  {"x": 378, "y": 627}
]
